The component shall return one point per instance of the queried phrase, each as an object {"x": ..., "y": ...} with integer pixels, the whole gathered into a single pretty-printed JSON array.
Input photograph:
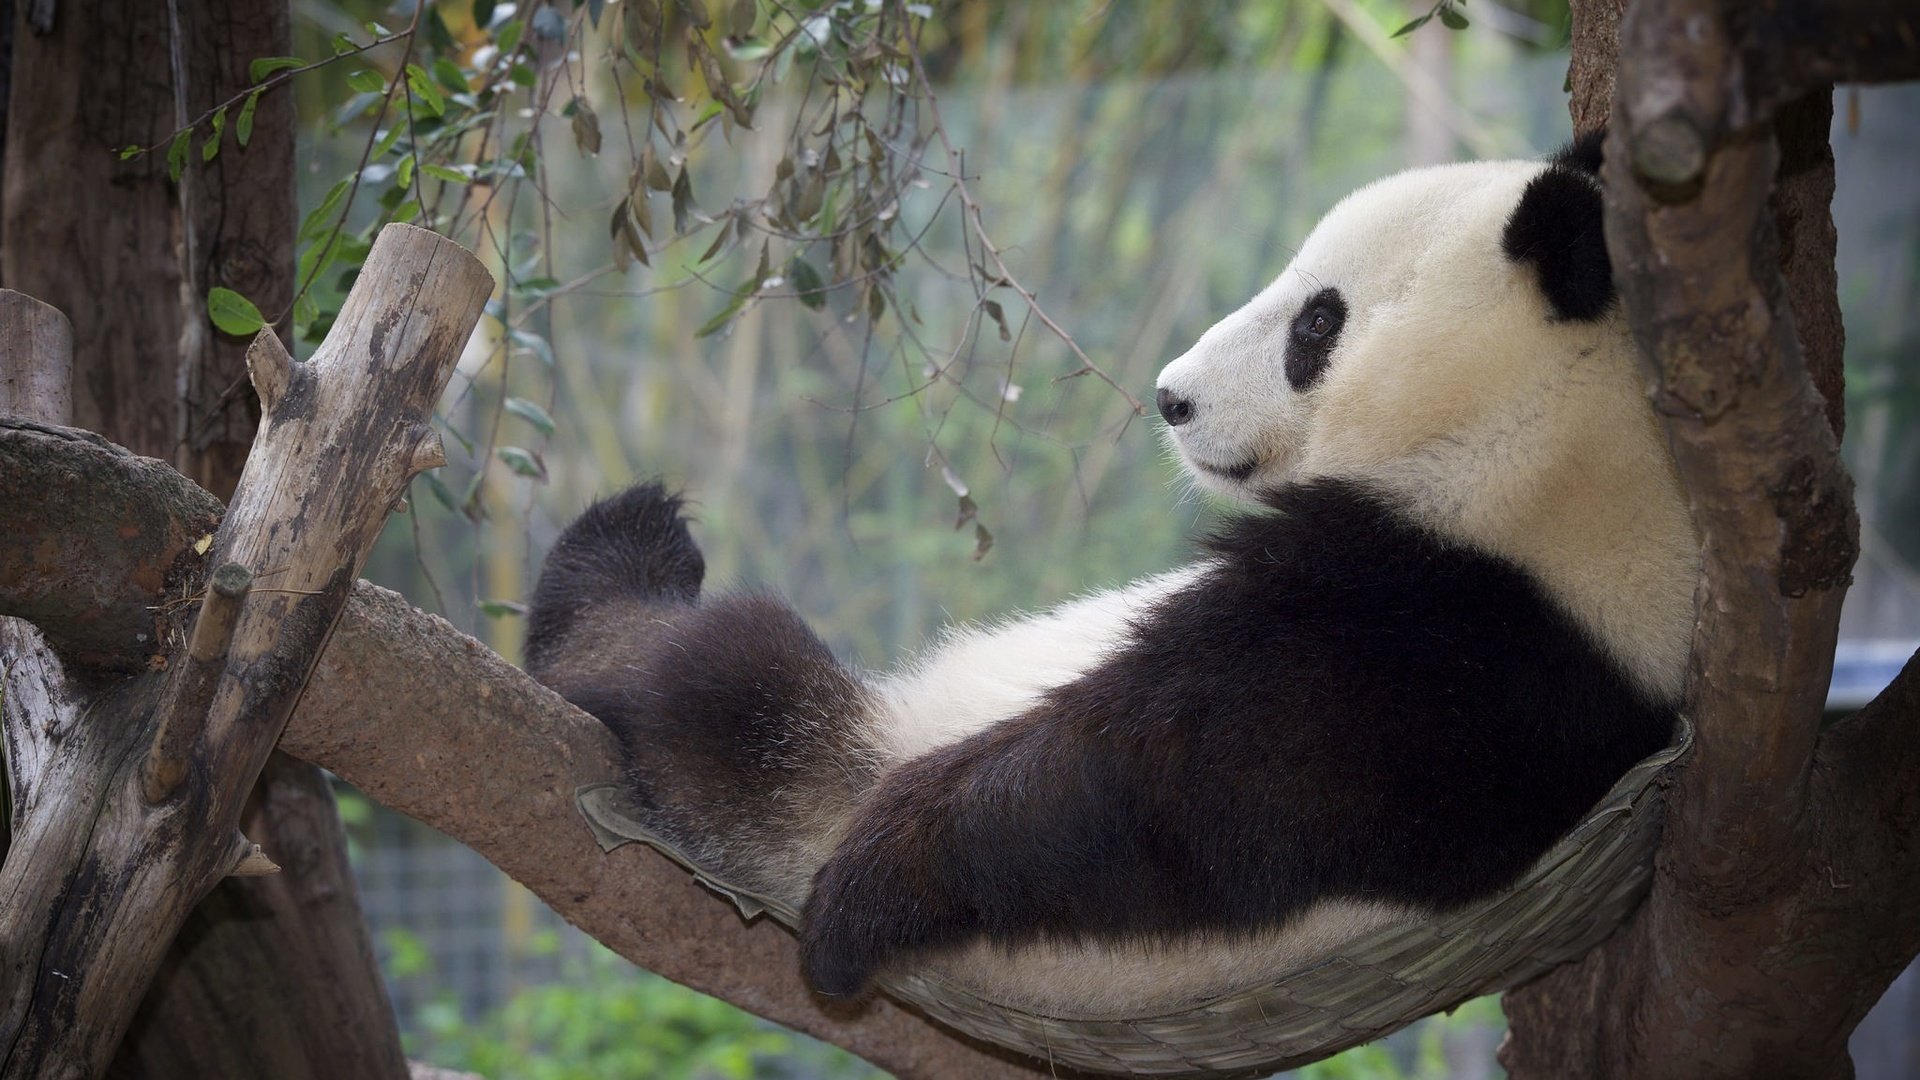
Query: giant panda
[{"x": 1457, "y": 610}]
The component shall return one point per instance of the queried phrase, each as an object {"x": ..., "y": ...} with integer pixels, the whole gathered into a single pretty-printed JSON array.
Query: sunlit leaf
[
  {"x": 423, "y": 88},
  {"x": 233, "y": 313},
  {"x": 267, "y": 65},
  {"x": 501, "y": 609},
  {"x": 441, "y": 172},
  {"x": 367, "y": 82}
]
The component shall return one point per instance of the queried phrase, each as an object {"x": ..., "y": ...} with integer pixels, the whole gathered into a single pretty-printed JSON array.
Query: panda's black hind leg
[
  {"x": 745, "y": 740},
  {"x": 628, "y": 552}
]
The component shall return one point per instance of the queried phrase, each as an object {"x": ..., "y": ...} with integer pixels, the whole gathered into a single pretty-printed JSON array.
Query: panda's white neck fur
[{"x": 1572, "y": 481}]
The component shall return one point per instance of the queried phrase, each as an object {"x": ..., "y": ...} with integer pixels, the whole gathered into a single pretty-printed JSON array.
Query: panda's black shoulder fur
[
  {"x": 1345, "y": 705},
  {"x": 1558, "y": 227}
]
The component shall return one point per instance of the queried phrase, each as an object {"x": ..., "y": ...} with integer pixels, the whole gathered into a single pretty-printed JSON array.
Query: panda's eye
[{"x": 1315, "y": 331}]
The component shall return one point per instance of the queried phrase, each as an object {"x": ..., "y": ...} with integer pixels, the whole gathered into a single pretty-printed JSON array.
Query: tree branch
[
  {"x": 88, "y": 566},
  {"x": 108, "y": 870},
  {"x": 431, "y": 723}
]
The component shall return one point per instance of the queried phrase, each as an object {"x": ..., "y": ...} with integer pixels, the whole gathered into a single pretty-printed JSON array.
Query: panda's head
[{"x": 1449, "y": 336}]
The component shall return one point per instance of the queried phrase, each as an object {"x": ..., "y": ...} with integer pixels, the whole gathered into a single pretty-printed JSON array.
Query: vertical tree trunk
[{"x": 273, "y": 976}]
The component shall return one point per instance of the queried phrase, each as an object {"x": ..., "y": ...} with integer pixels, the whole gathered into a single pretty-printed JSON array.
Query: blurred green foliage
[{"x": 606, "y": 1020}]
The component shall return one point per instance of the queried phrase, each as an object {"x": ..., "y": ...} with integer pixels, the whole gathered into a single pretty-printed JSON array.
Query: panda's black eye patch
[{"x": 1311, "y": 340}]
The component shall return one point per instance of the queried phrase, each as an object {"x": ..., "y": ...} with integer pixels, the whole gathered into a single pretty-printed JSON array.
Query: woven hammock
[{"x": 1579, "y": 892}]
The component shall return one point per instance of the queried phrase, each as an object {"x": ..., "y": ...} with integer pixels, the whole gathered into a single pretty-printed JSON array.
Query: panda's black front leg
[{"x": 1008, "y": 835}]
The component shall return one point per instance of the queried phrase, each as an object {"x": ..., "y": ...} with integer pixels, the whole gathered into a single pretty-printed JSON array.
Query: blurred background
[{"x": 800, "y": 324}]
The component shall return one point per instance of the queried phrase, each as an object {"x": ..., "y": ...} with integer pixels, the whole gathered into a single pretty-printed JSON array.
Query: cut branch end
[
  {"x": 271, "y": 368},
  {"x": 249, "y": 860}
]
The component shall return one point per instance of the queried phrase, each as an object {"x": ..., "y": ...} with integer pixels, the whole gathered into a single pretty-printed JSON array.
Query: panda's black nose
[{"x": 1174, "y": 409}]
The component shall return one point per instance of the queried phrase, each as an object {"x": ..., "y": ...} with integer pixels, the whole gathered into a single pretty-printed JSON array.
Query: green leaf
[
  {"x": 524, "y": 462},
  {"x": 726, "y": 314},
  {"x": 500, "y": 609},
  {"x": 305, "y": 311},
  {"x": 1412, "y": 26},
  {"x": 211, "y": 148},
  {"x": 423, "y": 88},
  {"x": 441, "y": 172},
  {"x": 243, "y": 127},
  {"x": 131, "y": 150},
  {"x": 508, "y": 39},
  {"x": 403, "y": 176},
  {"x": 531, "y": 413},
  {"x": 367, "y": 82},
  {"x": 317, "y": 222},
  {"x": 1451, "y": 18},
  {"x": 450, "y": 76},
  {"x": 387, "y": 142},
  {"x": 177, "y": 154},
  {"x": 233, "y": 313},
  {"x": 807, "y": 283},
  {"x": 267, "y": 65}
]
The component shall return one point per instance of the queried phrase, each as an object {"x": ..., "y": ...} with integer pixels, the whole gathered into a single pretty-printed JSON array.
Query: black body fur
[
  {"x": 1347, "y": 707},
  {"x": 1559, "y": 227},
  {"x": 1344, "y": 706}
]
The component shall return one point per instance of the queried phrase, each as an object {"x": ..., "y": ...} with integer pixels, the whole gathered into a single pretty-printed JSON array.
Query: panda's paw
[{"x": 857, "y": 921}]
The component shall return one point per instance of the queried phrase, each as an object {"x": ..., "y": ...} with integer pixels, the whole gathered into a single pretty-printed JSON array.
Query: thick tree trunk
[
  {"x": 276, "y": 975},
  {"x": 1783, "y": 901}
]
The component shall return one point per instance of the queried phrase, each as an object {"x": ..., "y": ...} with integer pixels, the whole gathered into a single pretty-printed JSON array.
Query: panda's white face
[
  {"x": 1404, "y": 347},
  {"x": 1389, "y": 329}
]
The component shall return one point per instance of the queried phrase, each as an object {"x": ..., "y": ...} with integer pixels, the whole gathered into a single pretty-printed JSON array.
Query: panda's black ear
[{"x": 1558, "y": 228}]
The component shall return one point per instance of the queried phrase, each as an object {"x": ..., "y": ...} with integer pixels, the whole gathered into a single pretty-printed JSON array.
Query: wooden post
[
  {"x": 341, "y": 438},
  {"x": 36, "y": 360}
]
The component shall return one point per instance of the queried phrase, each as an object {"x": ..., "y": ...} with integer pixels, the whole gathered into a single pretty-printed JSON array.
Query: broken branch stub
[{"x": 336, "y": 446}]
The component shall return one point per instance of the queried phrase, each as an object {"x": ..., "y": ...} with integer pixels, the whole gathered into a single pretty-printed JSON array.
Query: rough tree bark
[
  {"x": 153, "y": 375},
  {"x": 1783, "y": 900},
  {"x": 115, "y": 845}
]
